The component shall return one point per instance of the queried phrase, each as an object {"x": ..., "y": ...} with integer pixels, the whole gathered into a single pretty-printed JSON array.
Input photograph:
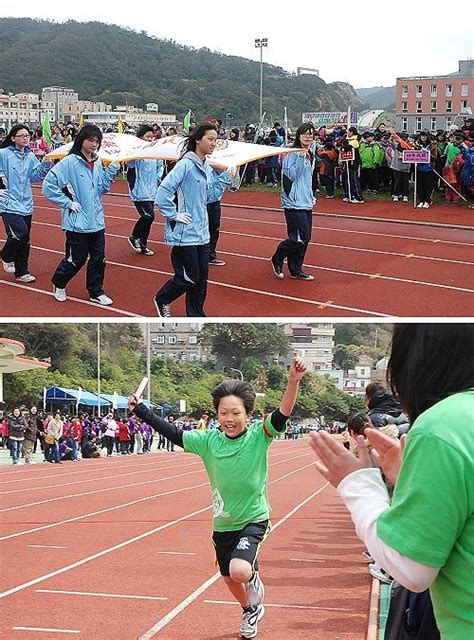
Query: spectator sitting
[
  {"x": 384, "y": 409},
  {"x": 65, "y": 452}
]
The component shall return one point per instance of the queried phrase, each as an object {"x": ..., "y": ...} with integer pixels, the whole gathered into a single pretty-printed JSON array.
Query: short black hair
[
  {"x": 144, "y": 128},
  {"x": 306, "y": 127},
  {"x": 358, "y": 422},
  {"x": 429, "y": 362},
  {"x": 232, "y": 387},
  {"x": 7, "y": 141}
]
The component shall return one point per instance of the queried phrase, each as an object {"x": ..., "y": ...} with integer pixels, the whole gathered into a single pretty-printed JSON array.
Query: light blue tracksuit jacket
[
  {"x": 297, "y": 191},
  {"x": 143, "y": 177},
  {"x": 72, "y": 179},
  {"x": 20, "y": 168}
]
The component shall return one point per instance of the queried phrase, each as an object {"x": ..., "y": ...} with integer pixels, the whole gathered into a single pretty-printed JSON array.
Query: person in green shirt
[
  {"x": 236, "y": 461},
  {"x": 425, "y": 537}
]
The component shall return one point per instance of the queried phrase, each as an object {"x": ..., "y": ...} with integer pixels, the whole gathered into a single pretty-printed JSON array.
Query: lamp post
[{"x": 260, "y": 43}]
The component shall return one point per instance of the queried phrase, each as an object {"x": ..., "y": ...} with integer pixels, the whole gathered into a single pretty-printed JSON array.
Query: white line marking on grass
[
  {"x": 100, "y": 595},
  {"x": 46, "y": 630},
  {"x": 282, "y": 606},
  {"x": 197, "y": 592}
]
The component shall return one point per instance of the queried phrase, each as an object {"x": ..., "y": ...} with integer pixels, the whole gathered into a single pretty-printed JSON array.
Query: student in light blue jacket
[
  {"x": 218, "y": 182},
  {"x": 19, "y": 167},
  {"x": 77, "y": 184},
  {"x": 297, "y": 201},
  {"x": 143, "y": 177},
  {"x": 181, "y": 199}
]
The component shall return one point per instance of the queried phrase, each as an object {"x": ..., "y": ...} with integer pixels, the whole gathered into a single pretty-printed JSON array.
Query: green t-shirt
[
  {"x": 431, "y": 519},
  {"x": 238, "y": 470}
]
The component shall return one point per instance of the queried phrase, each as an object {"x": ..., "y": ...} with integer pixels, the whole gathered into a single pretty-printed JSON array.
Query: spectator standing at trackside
[
  {"x": 383, "y": 408},
  {"x": 19, "y": 168},
  {"x": 400, "y": 169},
  {"x": 75, "y": 437},
  {"x": 132, "y": 430},
  {"x": 143, "y": 177},
  {"x": 54, "y": 432},
  {"x": 109, "y": 433},
  {"x": 454, "y": 147},
  {"x": 368, "y": 171},
  {"x": 36, "y": 418},
  {"x": 350, "y": 169},
  {"x": 38, "y": 144},
  {"x": 425, "y": 174},
  {"x": 297, "y": 201},
  {"x": 170, "y": 443},
  {"x": 124, "y": 438},
  {"x": 29, "y": 442},
  {"x": 17, "y": 427},
  {"x": 441, "y": 143},
  {"x": 76, "y": 184},
  {"x": 327, "y": 168}
]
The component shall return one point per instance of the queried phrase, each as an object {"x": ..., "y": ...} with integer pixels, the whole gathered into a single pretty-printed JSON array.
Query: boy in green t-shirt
[{"x": 236, "y": 461}]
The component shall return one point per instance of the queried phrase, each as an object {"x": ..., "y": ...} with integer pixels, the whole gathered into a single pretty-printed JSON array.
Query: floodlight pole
[{"x": 259, "y": 44}]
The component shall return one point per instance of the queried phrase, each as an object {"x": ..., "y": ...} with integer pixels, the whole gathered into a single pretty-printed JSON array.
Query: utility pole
[{"x": 259, "y": 44}]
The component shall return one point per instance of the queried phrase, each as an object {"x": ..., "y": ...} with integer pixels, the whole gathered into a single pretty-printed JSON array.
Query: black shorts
[{"x": 244, "y": 544}]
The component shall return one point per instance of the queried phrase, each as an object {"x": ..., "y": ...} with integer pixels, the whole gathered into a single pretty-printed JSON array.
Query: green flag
[
  {"x": 46, "y": 129},
  {"x": 187, "y": 121}
]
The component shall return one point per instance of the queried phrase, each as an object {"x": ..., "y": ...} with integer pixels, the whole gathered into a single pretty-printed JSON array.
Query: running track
[
  {"x": 374, "y": 260},
  {"x": 119, "y": 548}
]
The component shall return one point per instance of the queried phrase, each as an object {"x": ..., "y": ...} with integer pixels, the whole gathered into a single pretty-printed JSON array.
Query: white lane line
[
  {"x": 133, "y": 502},
  {"x": 305, "y": 560},
  {"x": 177, "y": 553},
  {"x": 77, "y": 482},
  {"x": 97, "y": 513},
  {"x": 46, "y": 546},
  {"x": 100, "y": 554},
  {"x": 86, "y": 302},
  {"x": 96, "y": 491},
  {"x": 283, "y": 606},
  {"x": 46, "y": 630},
  {"x": 100, "y": 595},
  {"x": 362, "y": 274},
  {"x": 119, "y": 487},
  {"x": 201, "y": 589}
]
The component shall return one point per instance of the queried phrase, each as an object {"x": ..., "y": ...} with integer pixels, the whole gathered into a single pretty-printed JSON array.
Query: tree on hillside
[
  {"x": 42, "y": 341},
  {"x": 344, "y": 357},
  {"x": 232, "y": 343}
]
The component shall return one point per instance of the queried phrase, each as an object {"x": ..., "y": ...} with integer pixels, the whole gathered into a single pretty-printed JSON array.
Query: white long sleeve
[{"x": 366, "y": 497}]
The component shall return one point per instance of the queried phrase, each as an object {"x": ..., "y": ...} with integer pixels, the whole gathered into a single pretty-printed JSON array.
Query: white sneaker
[
  {"x": 60, "y": 294},
  {"x": 103, "y": 300},
  {"x": 405, "y": 199},
  {"x": 9, "y": 267},
  {"x": 27, "y": 277},
  {"x": 394, "y": 198},
  {"x": 255, "y": 590},
  {"x": 420, "y": 206},
  {"x": 378, "y": 573},
  {"x": 248, "y": 628},
  {"x": 426, "y": 205}
]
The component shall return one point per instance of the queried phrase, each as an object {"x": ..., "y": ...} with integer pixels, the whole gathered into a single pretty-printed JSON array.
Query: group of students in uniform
[{"x": 188, "y": 198}]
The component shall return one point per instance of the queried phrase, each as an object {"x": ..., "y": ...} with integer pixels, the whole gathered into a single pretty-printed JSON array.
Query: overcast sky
[{"x": 357, "y": 42}]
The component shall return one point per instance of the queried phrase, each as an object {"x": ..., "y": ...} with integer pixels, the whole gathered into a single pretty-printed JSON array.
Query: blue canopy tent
[
  {"x": 122, "y": 401},
  {"x": 62, "y": 396}
]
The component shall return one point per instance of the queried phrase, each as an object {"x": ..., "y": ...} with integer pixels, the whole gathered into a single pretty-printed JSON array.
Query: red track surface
[
  {"x": 79, "y": 538},
  {"x": 377, "y": 259}
]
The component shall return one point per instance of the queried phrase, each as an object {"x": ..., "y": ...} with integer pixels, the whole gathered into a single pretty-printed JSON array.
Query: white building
[
  {"x": 178, "y": 340},
  {"x": 131, "y": 118},
  {"x": 61, "y": 96},
  {"x": 22, "y": 108},
  {"x": 314, "y": 342},
  {"x": 356, "y": 380}
]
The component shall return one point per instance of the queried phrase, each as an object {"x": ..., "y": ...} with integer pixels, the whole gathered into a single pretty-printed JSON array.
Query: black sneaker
[
  {"x": 146, "y": 251},
  {"x": 135, "y": 244},
  {"x": 164, "y": 310},
  {"x": 217, "y": 263},
  {"x": 277, "y": 268},
  {"x": 302, "y": 276}
]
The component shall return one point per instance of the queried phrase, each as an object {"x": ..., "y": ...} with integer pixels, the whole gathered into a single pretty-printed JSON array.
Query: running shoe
[
  {"x": 135, "y": 244},
  {"x": 302, "y": 276},
  {"x": 164, "y": 310},
  {"x": 146, "y": 251},
  {"x": 378, "y": 573},
  {"x": 277, "y": 268},
  {"x": 9, "y": 267},
  {"x": 60, "y": 294},
  {"x": 217, "y": 263},
  {"x": 26, "y": 277},
  {"x": 250, "y": 619},
  {"x": 103, "y": 300}
]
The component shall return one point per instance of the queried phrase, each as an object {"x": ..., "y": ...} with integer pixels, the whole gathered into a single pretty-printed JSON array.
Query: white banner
[{"x": 120, "y": 147}]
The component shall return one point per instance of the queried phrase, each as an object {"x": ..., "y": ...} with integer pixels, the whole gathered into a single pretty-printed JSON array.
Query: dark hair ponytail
[{"x": 195, "y": 135}]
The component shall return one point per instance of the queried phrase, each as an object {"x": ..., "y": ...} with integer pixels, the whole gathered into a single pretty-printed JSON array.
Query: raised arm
[
  {"x": 296, "y": 372},
  {"x": 170, "y": 431}
]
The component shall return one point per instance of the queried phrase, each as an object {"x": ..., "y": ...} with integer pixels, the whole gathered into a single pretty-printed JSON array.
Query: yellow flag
[
  {"x": 120, "y": 124},
  {"x": 81, "y": 122}
]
